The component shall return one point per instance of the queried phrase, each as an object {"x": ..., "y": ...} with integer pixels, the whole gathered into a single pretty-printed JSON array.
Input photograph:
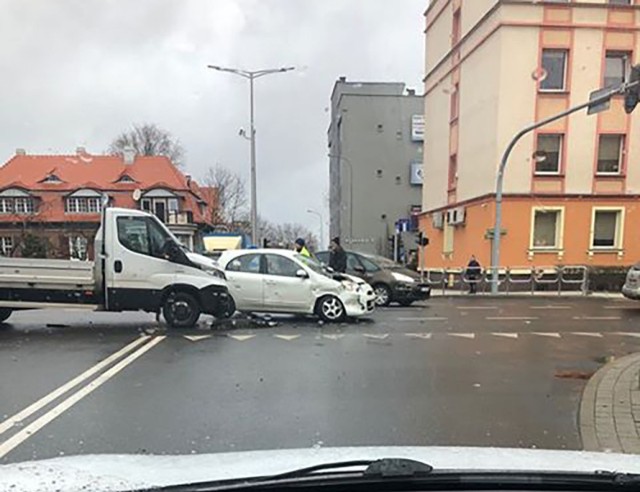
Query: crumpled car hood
[{"x": 126, "y": 472}]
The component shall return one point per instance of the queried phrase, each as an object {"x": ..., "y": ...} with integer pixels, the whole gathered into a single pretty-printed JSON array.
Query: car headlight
[
  {"x": 217, "y": 273},
  {"x": 401, "y": 277},
  {"x": 350, "y": 286}
]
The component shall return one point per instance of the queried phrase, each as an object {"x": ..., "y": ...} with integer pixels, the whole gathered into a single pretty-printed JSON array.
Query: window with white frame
[
  {"x": 610, "y": 153},
  {"x": 546, "y": 230},
  {"x": 83, "y": 205},
  {"x": 615, "y": 68},
  {"x": 606, "y": 229},
  {"x": 23, "y": 206},
  {"x": 6, "y": 205},
  {"x": 6, "y": 245},
  {"x": 548, "y": 153},
  {"x": 554, "y": 64},
  {"x": 78, "y": 248}
]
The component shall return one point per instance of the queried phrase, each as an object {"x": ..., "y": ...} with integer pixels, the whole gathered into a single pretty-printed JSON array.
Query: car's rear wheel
[
  {"x": 383, "y": 295},
  {"x": 181, "y": 310},
  {"x": 331, "y": 309}
]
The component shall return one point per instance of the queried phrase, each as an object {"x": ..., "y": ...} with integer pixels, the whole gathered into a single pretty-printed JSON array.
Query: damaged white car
[{"x": 283, "y": 281}]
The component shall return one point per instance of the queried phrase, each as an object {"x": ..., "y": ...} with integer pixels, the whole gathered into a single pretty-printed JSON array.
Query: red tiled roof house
[{"x": 58, "y": 198}]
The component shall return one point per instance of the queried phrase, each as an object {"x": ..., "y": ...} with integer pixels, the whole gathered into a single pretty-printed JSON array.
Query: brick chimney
[
  {"x": 21, "y": 152},
  {"x": 129, "y": 155},
  {"x": 81, "y": 150}
]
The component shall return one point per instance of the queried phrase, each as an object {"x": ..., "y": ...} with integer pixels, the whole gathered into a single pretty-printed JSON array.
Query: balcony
[{"x": 175, "y": 217}]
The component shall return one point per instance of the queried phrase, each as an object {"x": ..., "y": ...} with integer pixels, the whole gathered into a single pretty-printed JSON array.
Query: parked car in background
[
  {"x": 631, "y": 287},
  {"x": 391, "y": 282},
  {"x": 283, "y": 281}
]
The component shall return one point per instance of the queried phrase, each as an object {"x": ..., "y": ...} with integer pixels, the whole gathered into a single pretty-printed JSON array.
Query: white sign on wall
[
  {"x": 416, "y": 173},
  {"x": 417, "y": 128}
]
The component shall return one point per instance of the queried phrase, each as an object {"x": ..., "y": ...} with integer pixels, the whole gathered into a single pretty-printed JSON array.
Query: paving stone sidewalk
[{"x": 610, "y": 408}]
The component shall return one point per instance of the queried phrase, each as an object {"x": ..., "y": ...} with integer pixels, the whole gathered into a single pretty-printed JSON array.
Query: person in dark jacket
[
  {"x": 473, "y": 272},
  {"x": 338, "y": 257}
]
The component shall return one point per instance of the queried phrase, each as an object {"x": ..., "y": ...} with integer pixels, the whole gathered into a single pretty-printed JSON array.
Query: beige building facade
[{"x": 571, "y": 188}]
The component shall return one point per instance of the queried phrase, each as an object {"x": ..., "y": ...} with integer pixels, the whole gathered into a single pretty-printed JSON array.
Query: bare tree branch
[
  {"x": 231, "y": 194},
  {"x": 149, "y": 140}
]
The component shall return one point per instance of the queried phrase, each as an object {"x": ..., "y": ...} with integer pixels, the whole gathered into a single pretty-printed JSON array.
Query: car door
[
  {"x": 354, "y": 266},
  {"x": 245, "y": 281},
  {"x": 283, "y": 289},
  {"x": 137, "y": 271}
]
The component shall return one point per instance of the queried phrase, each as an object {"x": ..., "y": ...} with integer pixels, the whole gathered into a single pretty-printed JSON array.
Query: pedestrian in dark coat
[
  {"x": 473, "y": 272},
  {"x": 338, "y": 256}
]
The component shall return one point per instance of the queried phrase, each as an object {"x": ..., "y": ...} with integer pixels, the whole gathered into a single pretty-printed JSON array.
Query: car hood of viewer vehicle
[{"x": 129, "y": 472}]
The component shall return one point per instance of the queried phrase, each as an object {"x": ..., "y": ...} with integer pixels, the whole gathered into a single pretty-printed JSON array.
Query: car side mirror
[
  {"x": 302, "y": 274},
  {"x": 330, "y": 270},
  {"x": 358, "y": 269}
]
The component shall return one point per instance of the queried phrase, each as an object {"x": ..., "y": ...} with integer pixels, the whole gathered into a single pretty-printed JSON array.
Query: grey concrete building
[{"x": 375, "y": 161}]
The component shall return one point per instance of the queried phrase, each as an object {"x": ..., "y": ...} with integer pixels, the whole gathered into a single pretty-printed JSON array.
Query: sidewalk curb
[{"x": 609, "y": 415}]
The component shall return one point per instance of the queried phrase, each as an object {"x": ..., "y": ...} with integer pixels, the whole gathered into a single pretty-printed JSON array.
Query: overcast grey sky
[{"x": 77, "y": 72}]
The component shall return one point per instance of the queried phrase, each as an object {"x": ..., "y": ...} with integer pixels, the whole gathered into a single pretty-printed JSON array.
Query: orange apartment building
[{"x": 572, "y": 188}]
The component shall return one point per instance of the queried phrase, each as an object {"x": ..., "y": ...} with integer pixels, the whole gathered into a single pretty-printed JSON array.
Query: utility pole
[{"x": 252, "y": 75}]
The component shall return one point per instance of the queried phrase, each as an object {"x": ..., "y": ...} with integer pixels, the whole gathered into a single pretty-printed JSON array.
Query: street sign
[
  {"x": 600, "y": 106},
  {"x": 417, "y": 176}
]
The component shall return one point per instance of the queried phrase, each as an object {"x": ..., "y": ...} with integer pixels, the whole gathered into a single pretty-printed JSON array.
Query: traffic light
[
  {"x": 422, "y": 240},
  {"x": 632, "y": 94}
]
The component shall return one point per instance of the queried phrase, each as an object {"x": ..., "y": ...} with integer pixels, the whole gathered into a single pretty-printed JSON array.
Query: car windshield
[{"x": 354, "y": 229}]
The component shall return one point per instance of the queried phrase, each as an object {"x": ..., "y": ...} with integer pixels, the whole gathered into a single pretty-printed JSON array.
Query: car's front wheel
[
  {"x": 331, "y": 309},
  {"x": 181, "y": 310},
  {"x": 4, "y": 314},
  {"x": 383, "y": 295}
]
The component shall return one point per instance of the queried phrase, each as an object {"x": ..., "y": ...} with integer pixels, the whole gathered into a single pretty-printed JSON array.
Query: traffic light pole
[{"x": 497, "y": 228}]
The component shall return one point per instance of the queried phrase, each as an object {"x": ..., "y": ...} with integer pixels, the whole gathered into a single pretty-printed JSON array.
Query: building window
[
  {"x": 78, "y": 248},
  {"x": 146, "y": 205},
  {"x": 548, "y": 153},
  {"x": 83, "y": 205},
  {"x": 6, "y": 245},
  {"x": 610, "y": 152},
  {"x": 125, "y": 178},
  {"x": 547, "y": 229},
  {"x": 16, "y": 205},
  {"x": 453, "y": 172},
  {"x": 554, "y": 64},
  {"x": 620, "y": 2},
  {"x": 615, "y": 68},
  {"x": 607, "y": 229},
  {"x": 52, "y": 178}
]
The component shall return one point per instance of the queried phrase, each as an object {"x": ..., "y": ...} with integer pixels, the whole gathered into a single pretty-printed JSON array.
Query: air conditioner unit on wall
[
  {"x": 456, "y": 216},
  {"x": 437, "y": 220}
]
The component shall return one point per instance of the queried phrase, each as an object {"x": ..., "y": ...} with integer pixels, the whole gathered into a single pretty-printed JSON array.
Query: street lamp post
[
  {"x": 348, "y": 164},
  {"x": 251, "y": 75},
  {"x": 319, "y": 215}
]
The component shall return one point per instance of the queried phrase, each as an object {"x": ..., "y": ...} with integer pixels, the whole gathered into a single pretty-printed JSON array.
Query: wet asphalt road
[{"x": 462, "y": 371}]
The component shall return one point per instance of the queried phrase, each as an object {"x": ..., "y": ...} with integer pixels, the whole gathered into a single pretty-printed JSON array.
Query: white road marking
[
  {"x": 545, "y": 308},
  {"x": 197, "y": 338},
  {"x": 623, "y": 308},
  {"x": 28, "y": 431},
  {"x": 587, "y": 334},
  {"x": 241, "y": 338},
  {"x": 288, "y": 338},
  {"x": 377, "y": 337},
  {"x": 424, "y": 336},
  {"x": 546, "y": 334},
  {"x": 597, "y": 318},
  {"x": 462, "y": 335},
  {"x": 505, "y": 335},
  {"x": 511, "y": 318},
  {"x": 465, "y": 308},
  {"x": 626, "y": 334},
  {"x": 433, "y": 318},
  {"x": 45, "y": 400},
  {"x": 333, "y": 337}
]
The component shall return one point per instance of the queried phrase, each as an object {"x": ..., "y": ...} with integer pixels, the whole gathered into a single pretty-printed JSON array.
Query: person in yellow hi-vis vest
[{"x": 301, "y": 247}]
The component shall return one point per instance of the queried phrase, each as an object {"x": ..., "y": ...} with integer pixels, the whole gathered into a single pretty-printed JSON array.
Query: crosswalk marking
[
  {"x": 504, "y": 335},
  {"x": 511, "y": 318},
  {"x": 545, "y": 308},
  {"x": 626, "y": 334},
  {"x": 288, "y": 338},
  {"x": 333, "y": 337},
  {"x": 432, "y": 318},
  {"x": 546, "y": 334},
  {"x": 241, "y": 338},
  {"x": 196, "y": 338},
  {"x": 376, "y": 336},
  {"x": 597, "y": 318},
  {"x": 462, "y": 335},
  {"x": 424, "y": 336},
  {"x": 587, "y": 334},
  {"x": 476, "y": 308}
]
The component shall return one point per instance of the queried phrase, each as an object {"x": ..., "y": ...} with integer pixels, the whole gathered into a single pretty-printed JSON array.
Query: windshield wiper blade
[{"x": 386, "y": 467}]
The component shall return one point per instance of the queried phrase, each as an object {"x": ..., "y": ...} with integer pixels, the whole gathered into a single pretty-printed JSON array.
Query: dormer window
[
  {"x": 16, "y": 201},
  {"x": 125, "y": 178},
  {"x": 84, "y": 201},
  {"x": 52, "y": 178}
]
